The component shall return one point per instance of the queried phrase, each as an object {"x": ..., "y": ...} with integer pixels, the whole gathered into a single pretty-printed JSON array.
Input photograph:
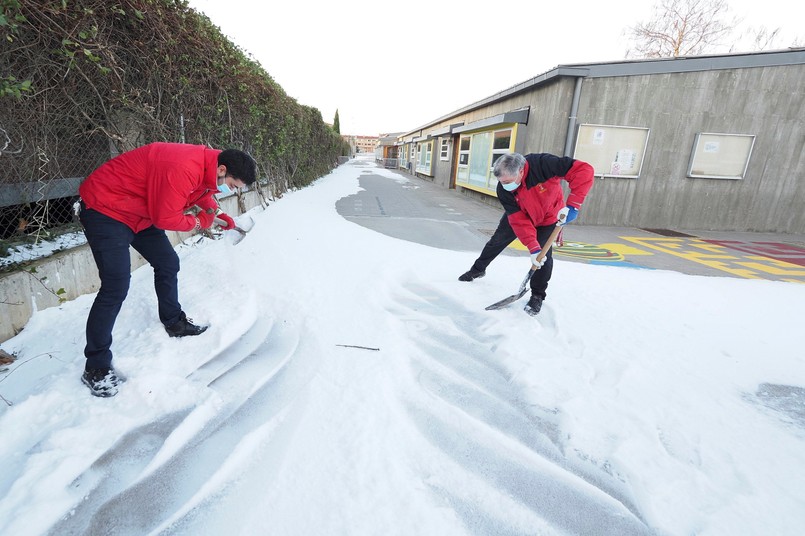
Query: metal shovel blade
[
  {"x": 243, "y": 224},
  {"x": 504, "y": 302},
  {"x": 514, "y": 297}
]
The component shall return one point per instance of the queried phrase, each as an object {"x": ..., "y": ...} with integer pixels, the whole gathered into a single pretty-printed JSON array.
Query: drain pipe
[{"x": 571, "y": 122}]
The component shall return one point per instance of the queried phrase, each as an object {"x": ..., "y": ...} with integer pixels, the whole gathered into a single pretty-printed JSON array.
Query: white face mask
[
  {"x": 224, "y": 189},
  {"x": 510, "y": 186}
]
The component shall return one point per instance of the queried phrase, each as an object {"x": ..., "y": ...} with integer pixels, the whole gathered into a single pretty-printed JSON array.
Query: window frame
[
  {"x": 424, "y": 161},
  {"x": 464, "y": 176},
  {"x": 606, "y": 147},
  {"x": 706, "y": 144},
  {"x": 444, "y": 149}
]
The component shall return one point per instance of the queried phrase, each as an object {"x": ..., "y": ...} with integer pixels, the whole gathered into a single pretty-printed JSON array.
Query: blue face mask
[
  {"x": 511, "y": 186},
  {"x": 224, "y": 189}
]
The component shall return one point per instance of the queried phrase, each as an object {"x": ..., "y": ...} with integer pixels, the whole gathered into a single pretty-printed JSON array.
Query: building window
[
  {"x": 444, "y": 153},
  {"x": 478, "y": 153},
  {"x": 480, "y": 159},
  {"x": 612, "y": 150},
  {"x": 424, "y": 157},
  {"x": 463, "y": 171},
  {"x": 720, "y": 156},
  {"x": 403, "y": 157}
]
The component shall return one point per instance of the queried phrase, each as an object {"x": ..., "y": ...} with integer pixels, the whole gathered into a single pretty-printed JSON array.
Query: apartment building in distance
[{"x": 361, "y": 144}]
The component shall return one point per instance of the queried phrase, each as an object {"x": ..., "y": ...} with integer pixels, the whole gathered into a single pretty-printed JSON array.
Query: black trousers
[
  {"x": 109, "y": 241},
  {"x": 504, "y": 235}
]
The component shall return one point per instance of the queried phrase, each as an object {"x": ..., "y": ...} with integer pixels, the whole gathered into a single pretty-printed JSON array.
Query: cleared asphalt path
[{"x": 416, "y": 210}]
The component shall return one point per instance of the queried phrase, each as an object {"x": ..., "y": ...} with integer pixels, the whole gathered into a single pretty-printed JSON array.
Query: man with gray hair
[{"x": 530, "y": 190}]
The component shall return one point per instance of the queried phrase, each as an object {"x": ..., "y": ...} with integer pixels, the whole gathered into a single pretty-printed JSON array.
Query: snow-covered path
[{"x": 349, "y": 384}]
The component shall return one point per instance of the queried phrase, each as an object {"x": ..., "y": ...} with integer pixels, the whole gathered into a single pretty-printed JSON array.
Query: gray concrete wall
[
  {"x": 443, "y": 169},
  {"x": 546, "y": 131},
  {"x": 768, "y": 102},
  {"x": 22, "y": 293}
]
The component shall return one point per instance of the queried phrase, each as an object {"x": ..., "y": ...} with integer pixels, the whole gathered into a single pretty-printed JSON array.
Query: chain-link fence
[{"x": 41, "y": 171}]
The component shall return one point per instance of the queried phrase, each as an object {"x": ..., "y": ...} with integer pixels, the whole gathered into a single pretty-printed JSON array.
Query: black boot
[
  {"x": 533, "y": 306},
  {"x": 472, "y": 274},
  {"x": 185, "y": 327},
  {"x": 102, "y": 382}
]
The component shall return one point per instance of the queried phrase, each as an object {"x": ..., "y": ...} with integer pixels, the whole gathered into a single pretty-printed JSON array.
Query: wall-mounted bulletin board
[
  {"x": 720, "y": 156},
  {"x": 613, "y": 151}
]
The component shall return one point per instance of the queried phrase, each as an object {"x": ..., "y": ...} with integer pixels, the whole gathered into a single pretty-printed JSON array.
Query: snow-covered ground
[
  {"x": 20, "y": 253},
  {"x": 349, "y": 384}
]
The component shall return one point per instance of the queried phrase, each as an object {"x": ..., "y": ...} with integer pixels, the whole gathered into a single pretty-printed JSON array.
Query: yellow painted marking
[
  {"x": 719, "y": 257},
  {"x": 706, "y": 246},
  {"x": 677, "y": 246},
  {"x": 715, "y": 256},
  {"x": 773, "y": 266},
  {"x": 625, "y": 249}
]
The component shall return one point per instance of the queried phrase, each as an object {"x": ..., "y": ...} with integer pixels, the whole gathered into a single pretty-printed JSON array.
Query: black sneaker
[
  {"x": 533, "y": 306},
  {"x": 471, "y": 274},
  {"x": 184, "y": 328},
  {"x": 102, "y": 382}
]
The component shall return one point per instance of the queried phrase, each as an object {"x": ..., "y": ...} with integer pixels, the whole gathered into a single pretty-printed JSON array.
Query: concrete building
[
  {"x": 706, "y": 142},
  {"x": 361, "y": 144},
  {"x": 387, "y": 151}
]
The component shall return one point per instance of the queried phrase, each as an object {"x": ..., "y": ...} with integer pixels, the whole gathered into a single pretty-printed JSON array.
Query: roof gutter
[{"x": 571, "y": 121}]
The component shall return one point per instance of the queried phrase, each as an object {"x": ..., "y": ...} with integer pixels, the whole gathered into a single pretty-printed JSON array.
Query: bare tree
[
  {"x": 764, "y": 38},
  {"x": 681, "y": 28}
]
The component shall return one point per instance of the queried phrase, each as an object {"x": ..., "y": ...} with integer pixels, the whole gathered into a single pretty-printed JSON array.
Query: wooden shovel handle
[{"x": 550, "y": 242}]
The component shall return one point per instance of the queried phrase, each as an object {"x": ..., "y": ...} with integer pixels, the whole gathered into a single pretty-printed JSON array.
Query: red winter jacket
[
  {"x": 540, "y": 197},
  {"x": 154, "y": 185}
]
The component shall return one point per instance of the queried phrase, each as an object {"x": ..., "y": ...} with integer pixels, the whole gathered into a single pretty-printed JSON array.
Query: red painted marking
[{"x": 774, "y": 250}]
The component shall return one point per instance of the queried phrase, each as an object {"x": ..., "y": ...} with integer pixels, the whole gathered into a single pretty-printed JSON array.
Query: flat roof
[{"x": 680, "y": 64}]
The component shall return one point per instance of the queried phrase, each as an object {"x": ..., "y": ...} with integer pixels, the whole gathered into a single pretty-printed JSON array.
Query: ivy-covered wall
[{"x": 81, "y": 81}]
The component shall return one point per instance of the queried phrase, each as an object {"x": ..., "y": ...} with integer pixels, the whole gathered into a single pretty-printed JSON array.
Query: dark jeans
[
  {"x": 504, "y": 235},
  {"x": 109, "y": 241}
]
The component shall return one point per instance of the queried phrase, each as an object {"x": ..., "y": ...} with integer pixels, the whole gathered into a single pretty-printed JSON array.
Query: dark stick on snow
[{"x": 361, "y": 347}]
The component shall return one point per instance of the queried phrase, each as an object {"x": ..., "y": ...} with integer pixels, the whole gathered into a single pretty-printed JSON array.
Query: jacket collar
[
  {"x": 210, "y": 180},
  {"x": 525, "y": 176}
]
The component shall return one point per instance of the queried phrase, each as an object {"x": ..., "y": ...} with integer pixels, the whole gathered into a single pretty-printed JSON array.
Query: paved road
[{"x": 414, "y": 209}]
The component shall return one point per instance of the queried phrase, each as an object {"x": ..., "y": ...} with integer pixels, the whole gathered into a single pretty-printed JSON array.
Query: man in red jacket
[
  {"x": 530, "y": 190},
  {"x": 132, "y": 200}
]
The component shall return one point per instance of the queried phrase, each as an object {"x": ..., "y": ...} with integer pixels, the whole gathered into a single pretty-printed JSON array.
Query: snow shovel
[
  {"x": 524, "y": 286},
  {"x": 243, "y": 224}
]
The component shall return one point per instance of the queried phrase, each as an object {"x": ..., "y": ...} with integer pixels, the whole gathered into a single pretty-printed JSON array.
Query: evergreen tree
[{"x": 337, "y": 123}]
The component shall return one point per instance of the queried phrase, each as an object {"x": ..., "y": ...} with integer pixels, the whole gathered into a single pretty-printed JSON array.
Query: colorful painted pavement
[{"x": 752, "y": 260}]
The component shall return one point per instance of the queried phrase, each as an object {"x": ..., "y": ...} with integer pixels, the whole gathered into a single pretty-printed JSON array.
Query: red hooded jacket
[
  {"x": 540, "y": 197},
  {"x": 154, "y": 185}
]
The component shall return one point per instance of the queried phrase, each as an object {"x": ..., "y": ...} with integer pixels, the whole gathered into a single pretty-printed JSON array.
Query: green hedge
[{"x": 80, "y": 80}]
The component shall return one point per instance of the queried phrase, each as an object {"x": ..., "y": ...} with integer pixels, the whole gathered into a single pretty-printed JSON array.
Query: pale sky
[{"x": 392, "y": 67}]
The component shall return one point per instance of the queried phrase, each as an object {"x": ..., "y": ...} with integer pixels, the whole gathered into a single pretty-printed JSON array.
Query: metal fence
[
  {"x": 39, "y": 179},
  {"x": 39, "y": 191}
]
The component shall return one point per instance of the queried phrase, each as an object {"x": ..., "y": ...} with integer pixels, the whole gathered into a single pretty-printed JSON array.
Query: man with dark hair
[
  {"x": 530, "y": 190},
  {"x": 131, "y": 200},
  {"x": 238, "y": 164}
]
